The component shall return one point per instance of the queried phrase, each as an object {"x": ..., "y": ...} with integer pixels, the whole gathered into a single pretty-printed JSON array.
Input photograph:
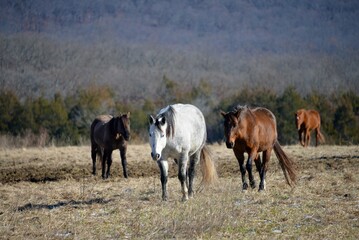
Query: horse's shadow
[{"x": 73, "y": 203}]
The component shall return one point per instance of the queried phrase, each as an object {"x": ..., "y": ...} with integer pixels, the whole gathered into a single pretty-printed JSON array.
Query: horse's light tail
[
  {"x": 288, "y": 166},
  {"x": 320, "y": 136},
  {"x": 209, "y": 172}
]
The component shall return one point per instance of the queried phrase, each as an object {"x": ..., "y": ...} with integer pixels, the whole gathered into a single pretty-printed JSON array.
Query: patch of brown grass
[{"x": 77, "y": 205}]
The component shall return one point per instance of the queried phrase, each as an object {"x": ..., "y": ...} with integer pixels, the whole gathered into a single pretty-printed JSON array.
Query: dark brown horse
[
  {"x": 107, "y": 134},
  {"x": 306, "y": 121},
  {"x": 253, "y": 131}
]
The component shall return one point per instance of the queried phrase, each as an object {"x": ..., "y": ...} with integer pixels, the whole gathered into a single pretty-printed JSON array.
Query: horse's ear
[
  {"x": 163, "y": 121},
  {"x": 128, "y": 114},
  {"x": 223, "y": 113},
  {"x": 151, "y": 119}
]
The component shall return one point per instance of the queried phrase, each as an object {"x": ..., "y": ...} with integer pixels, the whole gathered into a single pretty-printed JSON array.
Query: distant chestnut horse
[
  {"x": 107, "y": 134},
  {"x": 306, "y": 121},
  {"x": 253, "y": 131}
]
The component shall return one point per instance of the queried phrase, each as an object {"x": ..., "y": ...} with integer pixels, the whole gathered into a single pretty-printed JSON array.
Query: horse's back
[
  {"x": 104, "y": 118},
  {"x": 189, "y": 118},
  {"x": 98, "y": 128},
  {"x": 190, "y": 127},
  {"x": 267, "y": 125},
  {"x": 313, "y": 118},
  {"x": 265, "y": 117}
]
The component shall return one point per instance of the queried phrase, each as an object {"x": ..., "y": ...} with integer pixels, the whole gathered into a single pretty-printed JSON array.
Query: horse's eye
[
  {"x": 150, "y": 135},
  {"x": 162, "y": 135}
]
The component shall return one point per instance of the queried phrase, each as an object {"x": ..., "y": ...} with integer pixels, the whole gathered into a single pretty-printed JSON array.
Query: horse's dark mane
[
  {"x": 113, "y": 126},
  {"x": 170, "y": 118},
  {"x": 243, "y": 110}
]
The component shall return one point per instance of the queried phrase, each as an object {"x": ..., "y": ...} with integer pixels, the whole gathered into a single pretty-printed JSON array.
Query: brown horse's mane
[
  {"x": 243, "y": 111},
  {"x": 169, "y": 116}
]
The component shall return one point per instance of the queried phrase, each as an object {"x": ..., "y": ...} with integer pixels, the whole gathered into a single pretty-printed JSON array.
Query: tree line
[{"x": 66, "y": 120}]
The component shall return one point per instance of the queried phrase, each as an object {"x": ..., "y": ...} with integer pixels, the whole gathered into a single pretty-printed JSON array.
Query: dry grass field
[{"x": 49, "y": 193}]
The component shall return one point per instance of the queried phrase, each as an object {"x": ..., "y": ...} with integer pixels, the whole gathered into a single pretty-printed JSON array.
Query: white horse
[{"x": 179, "y": 132}]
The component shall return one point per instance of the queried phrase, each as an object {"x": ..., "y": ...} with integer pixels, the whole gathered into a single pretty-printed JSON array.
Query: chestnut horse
[
  {"x": 107, "y": 134},
  {"x": 253, "y": 131},
  {"x": 306, "y": 121}
]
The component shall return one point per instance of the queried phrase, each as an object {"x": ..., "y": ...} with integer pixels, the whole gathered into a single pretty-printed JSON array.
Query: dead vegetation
[{"x": 49, "y": 193}]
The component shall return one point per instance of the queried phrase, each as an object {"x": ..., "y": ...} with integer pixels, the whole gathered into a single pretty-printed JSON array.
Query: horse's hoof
[
  {"x": 253, "y": 185},
  {"x": 261, "y": 188},
  {"x": 245, "y": 186},
  {"x": 184, "y": 198}
]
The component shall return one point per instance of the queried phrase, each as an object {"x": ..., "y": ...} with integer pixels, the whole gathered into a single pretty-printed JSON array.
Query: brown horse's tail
[
  {"x": 287, "y": 165},
  {"x": 320, "y": 136},
  {"x": 209, "y": 172}
]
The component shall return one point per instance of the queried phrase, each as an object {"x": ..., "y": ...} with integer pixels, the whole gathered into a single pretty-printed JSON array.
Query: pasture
[{"x": 49, "y": 193}]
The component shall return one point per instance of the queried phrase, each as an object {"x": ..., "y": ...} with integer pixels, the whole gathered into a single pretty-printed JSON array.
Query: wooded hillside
[{"x": 142, "y": 55}]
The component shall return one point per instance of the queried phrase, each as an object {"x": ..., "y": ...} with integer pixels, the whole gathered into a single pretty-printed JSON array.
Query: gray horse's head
[
  {"x": 157, "y": 135},
  {"x": 161, "y": 127}
]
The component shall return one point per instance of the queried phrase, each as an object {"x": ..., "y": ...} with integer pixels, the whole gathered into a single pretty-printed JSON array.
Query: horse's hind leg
[
  {"x": 109, "y": 163},
  {"x": 192, "y": 171},
  {"x": 307, "y": 137},
  {"x": 182, "y": 174},
  {"x": 103, "y": 163},
  {"x": 252, "y": 156},
  {"x": 107, "y": 157},
  {"x": 123, "y": 151},
  {"x": 258, "y": 163},
  {"x": 264, "y": 168},
  {"x": 93, "y": 156}
]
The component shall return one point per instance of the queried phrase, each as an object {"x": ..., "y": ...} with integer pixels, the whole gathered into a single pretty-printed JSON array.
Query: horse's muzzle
[
  {"x": 127, "y": 136},
  {"x": 156, "y": 156},
  {"x": 230, "y": 145}
]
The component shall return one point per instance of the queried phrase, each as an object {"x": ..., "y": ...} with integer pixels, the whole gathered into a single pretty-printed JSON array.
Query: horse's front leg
[
  {"x": 182, "y": 174},
  {"x": 240, "y": 159},
  {"x": 163, "y": 165},
  {"x": 251, "y": 156},
  {"x": 123, "y": 150}
]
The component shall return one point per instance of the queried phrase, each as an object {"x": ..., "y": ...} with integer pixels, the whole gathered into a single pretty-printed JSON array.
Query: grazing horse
[
  {"x": 179, "y": 132},
  {"x": 107, "y": 134},
  {"x": 306, "y": 121},
  {"x": 253, "y": 131}
]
